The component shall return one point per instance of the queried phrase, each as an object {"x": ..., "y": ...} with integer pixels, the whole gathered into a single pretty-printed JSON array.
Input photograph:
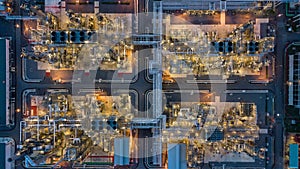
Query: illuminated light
[
  {"x": 17, "y": 25},
  {"x": 18, "y": 110}
]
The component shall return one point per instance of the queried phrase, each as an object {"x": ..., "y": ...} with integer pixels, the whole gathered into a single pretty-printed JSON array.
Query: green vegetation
[
  {"x": 270, "y": 12},
  {"x": 292, "y": 119},
  {"x": 292, "y": 112},
  {"x": 293, "y": 128},
  {"x": 293, "y": 49}
]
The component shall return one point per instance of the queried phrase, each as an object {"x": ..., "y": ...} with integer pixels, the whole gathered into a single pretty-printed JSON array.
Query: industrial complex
[{"x": 138, "y": 84}]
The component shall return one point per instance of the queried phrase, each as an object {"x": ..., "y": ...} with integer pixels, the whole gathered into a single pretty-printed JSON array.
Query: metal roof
[{"x": 293, "y": 163}]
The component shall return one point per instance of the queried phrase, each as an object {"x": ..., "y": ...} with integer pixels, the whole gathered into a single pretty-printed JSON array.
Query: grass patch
[
  {"x": 292, "y": 113},
  {"x": 293, "y": 49}
]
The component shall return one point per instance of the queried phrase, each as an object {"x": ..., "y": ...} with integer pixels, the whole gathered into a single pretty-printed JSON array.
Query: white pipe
[
  {"x": 37, "y": 129},
  {"x": 54, "y": 130},
  {"x": 40, "y": 125},
  {"x": 124, "y": 50},
  {"x": 68, "y": 125}
]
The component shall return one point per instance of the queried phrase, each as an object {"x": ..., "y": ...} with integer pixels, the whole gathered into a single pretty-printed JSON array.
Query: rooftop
[{"x": 294, "y": 148}]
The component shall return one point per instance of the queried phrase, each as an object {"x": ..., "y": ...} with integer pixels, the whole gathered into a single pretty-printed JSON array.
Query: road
[{"x": 283, "y": 38}]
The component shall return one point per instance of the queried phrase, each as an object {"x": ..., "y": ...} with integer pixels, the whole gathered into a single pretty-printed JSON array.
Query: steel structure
[
  {"x": 155, "y": 67},
  {"x": 157, "y": 81}
]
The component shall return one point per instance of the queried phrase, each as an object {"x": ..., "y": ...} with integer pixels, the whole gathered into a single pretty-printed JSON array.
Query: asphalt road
[{"x": 283, "y": 38}]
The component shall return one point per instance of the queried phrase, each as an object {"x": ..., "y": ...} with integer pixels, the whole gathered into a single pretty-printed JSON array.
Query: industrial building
[
  {"x": 294, "y": 155},
  {"x": 100, "y": 127},
  {"x": 2, "y": 6},
  {"x": 177, "y": 156},
  {"x": 121, "y": 153},
  {"x": 211, "y": 4},
  {"x": 7, "y": 146},
  {"x": 293, "y": 78}
]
